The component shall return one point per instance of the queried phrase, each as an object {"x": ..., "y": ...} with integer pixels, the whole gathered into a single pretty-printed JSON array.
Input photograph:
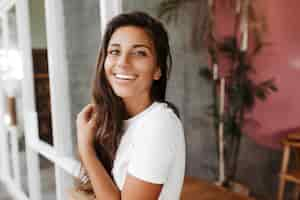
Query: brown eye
[
  {"x": 114, "y": 52},
  {"x": 140, "y": 53}
]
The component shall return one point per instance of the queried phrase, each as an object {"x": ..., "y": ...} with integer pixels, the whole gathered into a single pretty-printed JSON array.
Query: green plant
[
  {"x": 241, "y": 95},
  {"x": 241, "y": 92}
]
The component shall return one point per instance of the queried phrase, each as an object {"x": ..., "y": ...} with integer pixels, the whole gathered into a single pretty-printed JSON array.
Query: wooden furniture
[
  {"x": 12, "y": 110},
  {"x": 42, "y": 94},
  {"x": 291, "y": 143},
  {"x": 197, "y": 189}
]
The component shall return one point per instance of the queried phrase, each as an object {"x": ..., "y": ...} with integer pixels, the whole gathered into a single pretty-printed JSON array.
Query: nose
[{"x": 123, "y": 60}]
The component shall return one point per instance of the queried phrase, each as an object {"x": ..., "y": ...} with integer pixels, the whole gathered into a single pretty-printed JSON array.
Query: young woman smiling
[{"x": 130, "y": 139}]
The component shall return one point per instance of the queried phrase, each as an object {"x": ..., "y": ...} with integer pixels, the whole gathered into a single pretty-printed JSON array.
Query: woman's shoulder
[
  {"x": 162, "y": 111},
  {"x": 161, "y": 122},
  {"x": 160, "y": 128}
]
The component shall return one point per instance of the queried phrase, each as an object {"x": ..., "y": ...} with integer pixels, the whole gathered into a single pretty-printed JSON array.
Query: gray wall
[
  {"x": 82, "y": 25},
  {"x": 37, "y": 19}
]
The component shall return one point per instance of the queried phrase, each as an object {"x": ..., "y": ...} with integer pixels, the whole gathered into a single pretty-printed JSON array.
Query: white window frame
[
  {"x": 61, "y": 154},
  {"x": 9, "y": 133},
  {"x": 109, "y": 9}
]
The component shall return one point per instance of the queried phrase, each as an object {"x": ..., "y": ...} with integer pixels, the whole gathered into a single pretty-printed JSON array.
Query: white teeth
[{"x": 123, "y": 76}]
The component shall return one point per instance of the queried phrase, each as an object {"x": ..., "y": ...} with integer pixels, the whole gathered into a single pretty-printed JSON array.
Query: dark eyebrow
[
  {"x": 114, "y": 44},
  {"x": 142, "y": 45},
  {"x": 134, "y": 46}
]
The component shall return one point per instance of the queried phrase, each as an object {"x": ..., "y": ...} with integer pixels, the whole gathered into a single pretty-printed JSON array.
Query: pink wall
[{"x": 281, "y": 60}]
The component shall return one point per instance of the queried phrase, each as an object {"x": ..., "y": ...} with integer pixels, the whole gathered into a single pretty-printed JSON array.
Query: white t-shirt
[{"x": 153, "y": 149}]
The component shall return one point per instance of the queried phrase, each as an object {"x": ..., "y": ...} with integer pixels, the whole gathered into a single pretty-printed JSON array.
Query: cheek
[
  {"x": 148, "y": 77},
  {"x": 151, "y": 72},
  {"x": 147, "y": 68},
  {"x": 107, "y": 67}
]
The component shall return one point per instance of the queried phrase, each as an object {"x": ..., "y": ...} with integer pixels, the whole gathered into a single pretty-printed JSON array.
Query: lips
[{"x": 123, "y": 76}]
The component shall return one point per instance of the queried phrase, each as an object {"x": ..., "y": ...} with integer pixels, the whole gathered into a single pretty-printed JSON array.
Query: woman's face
[{"x": 130, "y": 65}]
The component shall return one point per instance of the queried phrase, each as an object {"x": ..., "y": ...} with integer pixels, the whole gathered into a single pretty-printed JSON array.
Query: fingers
[
  {"x": 87, "y": 113},
  {"x": 93, "y": 120}
]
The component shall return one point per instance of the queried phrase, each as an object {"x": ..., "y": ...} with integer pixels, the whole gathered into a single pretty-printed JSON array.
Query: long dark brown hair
[{"x": 109, "y": 107}]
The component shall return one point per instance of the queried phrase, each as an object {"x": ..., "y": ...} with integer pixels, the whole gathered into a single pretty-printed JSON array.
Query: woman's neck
[{"x": 134, "y": 107}]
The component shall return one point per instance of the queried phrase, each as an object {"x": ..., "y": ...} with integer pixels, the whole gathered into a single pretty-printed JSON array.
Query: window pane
[{"x": 40, "y": 68}]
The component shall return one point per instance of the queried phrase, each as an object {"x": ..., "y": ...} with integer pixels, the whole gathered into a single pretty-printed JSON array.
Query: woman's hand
[{"x": 86, "y": 128}]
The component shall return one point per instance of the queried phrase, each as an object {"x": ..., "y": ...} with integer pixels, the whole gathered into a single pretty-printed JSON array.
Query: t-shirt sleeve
[{"x": 154, "y": 149}]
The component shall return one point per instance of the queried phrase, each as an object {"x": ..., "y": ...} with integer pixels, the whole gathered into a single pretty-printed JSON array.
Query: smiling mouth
[{"x": 125, "y": 76}]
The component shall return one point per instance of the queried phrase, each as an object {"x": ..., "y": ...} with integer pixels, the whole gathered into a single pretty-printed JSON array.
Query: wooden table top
[{"x": 196, "y": 189}]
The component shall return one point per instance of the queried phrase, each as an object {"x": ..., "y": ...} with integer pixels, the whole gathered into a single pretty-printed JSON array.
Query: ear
[{"x": 157, "y": 74}]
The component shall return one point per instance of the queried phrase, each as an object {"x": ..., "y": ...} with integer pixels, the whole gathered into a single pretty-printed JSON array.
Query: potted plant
[{"x": 234, "y": 93}]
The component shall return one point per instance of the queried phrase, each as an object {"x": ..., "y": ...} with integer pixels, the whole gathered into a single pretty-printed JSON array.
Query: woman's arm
[
  {"x": 104, "y": 188},
  {"x": 103, "y": 185}
]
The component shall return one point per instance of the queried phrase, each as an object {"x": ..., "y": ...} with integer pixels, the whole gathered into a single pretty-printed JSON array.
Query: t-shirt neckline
[{"x": 134, "y": 118}]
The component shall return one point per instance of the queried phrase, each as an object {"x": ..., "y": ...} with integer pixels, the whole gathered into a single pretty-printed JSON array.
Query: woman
[{"x": 130, "y": 140}]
